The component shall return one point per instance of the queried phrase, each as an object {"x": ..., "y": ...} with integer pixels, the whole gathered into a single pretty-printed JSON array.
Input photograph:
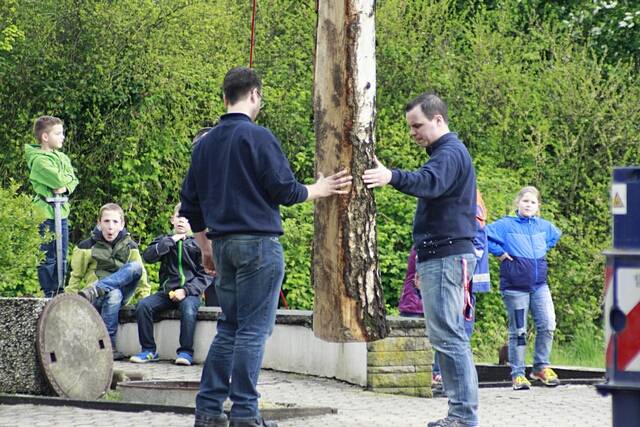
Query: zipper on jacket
[
  {"x": 180, "y": 272},
  {"x": 533, "y": 249}
]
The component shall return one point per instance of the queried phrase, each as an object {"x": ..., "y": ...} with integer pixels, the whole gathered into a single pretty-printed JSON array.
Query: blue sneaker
[
  {"x": 145, "y": 357},
  {"x": 184, "y": 359}
]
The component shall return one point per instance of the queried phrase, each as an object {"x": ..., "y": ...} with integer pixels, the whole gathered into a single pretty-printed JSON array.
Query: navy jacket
[
  {"x": 237, "y": 179},
  {"x": 445, "y": 219},
  {"x": 527, "y": 240},
  {"x": 180, "y": 264}
]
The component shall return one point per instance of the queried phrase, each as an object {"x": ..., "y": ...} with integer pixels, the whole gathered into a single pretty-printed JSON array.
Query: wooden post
[{"x": 349, "y": 302}]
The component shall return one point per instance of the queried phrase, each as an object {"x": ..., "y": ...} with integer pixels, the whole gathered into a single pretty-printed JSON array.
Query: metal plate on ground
[{"x": 74, "y": 348}]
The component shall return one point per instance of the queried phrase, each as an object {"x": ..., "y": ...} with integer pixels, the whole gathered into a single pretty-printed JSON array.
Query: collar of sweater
[
  {"x": 234, "y": 116},
  {"x": 447, "y": 137}
]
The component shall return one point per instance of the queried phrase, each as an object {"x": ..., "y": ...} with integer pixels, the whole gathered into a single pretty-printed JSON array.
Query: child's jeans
[
  {"x": 120, "y": 287},
  {"x": 160, "y": 302},
  {"x": 48, "y": 270},
  {"x": 518, "y": 305}
]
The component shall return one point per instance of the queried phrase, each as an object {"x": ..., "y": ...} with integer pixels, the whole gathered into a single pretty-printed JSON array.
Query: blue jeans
[
  {"x": 119, "y": 287},
  {"x": 468, "y": 329},
  {"x": 518, "y": 305},
  {"x": 159, "y": 302},
  {"x": 250, "y": 271},
  {"x": 48, "y": 270},
  {"x": 441, "y": 283}
]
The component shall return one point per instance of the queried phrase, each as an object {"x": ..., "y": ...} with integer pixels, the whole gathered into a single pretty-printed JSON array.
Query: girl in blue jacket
[{"x": 521, "y": 243}]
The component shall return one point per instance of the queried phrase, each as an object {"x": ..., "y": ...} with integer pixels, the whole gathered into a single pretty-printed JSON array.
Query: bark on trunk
[{"x": 349, "y": 302}]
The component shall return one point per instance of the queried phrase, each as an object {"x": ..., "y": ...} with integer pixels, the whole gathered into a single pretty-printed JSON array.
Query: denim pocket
[
  {"x": 247, "y": 254},
  {"x": 452, "y": 270}
]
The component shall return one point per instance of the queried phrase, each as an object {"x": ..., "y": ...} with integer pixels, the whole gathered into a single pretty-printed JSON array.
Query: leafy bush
[
  {"x": 297, "y": 242},
  {"x": 20, "y": 244}
]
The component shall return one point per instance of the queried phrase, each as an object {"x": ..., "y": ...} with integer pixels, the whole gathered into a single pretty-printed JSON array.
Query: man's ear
[{"x": 224, "y": 100}]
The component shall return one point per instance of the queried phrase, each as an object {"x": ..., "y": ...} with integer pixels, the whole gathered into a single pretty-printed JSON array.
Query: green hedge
[
  {"x": 20, "y": 244},
  {"x": 134, "y": 81}
]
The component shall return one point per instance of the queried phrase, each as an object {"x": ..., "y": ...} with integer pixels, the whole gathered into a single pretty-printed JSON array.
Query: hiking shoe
[
  {"x": 258, "y": 422},
  {"x": 118, "y": 355},
  {"x": 448, "y": 422},
  {"x": 521, "y": 383},
  {"x": 184, "y": 359},
  {"x": 145, "y": 357},
  {"x": 546, "y": 376},
  {"x": 204, "y": 421},
  {"x": 91, "y": 293}
]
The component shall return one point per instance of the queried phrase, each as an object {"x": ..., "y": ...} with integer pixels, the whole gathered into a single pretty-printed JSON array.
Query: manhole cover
[{"x": 74, "y": 348}]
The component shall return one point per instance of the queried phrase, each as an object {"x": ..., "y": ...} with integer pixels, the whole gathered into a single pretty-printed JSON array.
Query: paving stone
[
  {"x": 399, "y": 344},
  {"x": 392, "y": 369},
  {"x": 399, "y": 358},
  {"x": 565, "y": 405},
  {"x": 399, "y": 379}
]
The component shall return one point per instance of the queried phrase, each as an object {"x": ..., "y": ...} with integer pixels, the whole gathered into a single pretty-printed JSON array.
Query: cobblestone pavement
[{"x": 561, "y": 406}]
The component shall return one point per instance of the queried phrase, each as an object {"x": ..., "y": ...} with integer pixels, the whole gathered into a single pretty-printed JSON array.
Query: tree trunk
[{"x": 349, "y": 302}]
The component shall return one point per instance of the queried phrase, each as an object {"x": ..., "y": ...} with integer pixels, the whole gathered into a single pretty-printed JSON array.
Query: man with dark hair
[
  {"x": 443, "y": 230},
  {"x": 238, "y": 178}
]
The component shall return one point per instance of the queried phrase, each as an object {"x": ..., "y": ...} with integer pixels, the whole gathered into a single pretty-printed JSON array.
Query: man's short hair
[
  {"x": 44, "y": 124},
  {"x": 238, "y": 82},
  {"x": 114, "y": 207},
  {"x": 430, "y": 104}
]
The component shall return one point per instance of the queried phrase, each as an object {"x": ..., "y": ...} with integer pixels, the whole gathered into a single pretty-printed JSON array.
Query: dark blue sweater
[
  {"x": 445, "y": 219},
  {"x": 238, "y": 178}
]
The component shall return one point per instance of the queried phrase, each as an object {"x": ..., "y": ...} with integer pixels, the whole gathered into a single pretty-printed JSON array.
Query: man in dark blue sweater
[
  {"x": 238, "y": 178},
  {"x": 443, "y": 228}
]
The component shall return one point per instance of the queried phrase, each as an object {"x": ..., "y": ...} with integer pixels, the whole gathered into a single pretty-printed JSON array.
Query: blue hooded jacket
[{"x": 527, "y": 240}]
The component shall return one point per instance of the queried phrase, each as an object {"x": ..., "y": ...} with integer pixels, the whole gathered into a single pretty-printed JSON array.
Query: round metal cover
[{"x": 74, "y": 348}]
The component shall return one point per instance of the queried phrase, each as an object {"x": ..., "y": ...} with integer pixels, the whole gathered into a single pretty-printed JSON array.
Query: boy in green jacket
[
  {"x": 50, "y": 174},
  {"x": 107, "y": 269}
]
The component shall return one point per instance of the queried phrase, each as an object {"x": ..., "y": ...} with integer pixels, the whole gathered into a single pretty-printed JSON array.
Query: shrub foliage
[{"x": 20, "y": 244}]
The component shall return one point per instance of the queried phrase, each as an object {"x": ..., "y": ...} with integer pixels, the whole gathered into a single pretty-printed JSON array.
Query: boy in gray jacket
[{"x": 182, "y": 282}]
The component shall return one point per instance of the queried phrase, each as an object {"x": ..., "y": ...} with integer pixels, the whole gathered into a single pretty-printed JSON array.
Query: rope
[
  {"x": 253, "y": 43},
  {"x": 253, "y": 33}
]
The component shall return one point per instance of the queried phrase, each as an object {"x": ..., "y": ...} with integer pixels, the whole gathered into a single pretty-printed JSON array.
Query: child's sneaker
[
  {"x": 546, "y": 376},
  {"x": 436, "y": 380},
  {"x": 145, "y": 357},
  {"x": 91, "y": 293},
  {"x": 184, "y": 359},
  {"x": 521, "y": 383}
]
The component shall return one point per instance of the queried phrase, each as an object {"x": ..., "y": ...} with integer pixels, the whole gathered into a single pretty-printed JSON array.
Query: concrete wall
[
  {"x": 294, "y": 348},
  {"x": 400, "y": 363},
  {"x": 291, "y": 348},
  {"x": 20, "y": 368}
]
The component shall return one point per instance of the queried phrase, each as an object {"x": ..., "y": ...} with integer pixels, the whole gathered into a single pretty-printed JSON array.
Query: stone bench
[{"x": 400, "y": 363}]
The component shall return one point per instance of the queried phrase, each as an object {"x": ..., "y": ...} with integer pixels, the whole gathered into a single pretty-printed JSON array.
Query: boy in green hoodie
[{"x": 50, "y": 174}]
